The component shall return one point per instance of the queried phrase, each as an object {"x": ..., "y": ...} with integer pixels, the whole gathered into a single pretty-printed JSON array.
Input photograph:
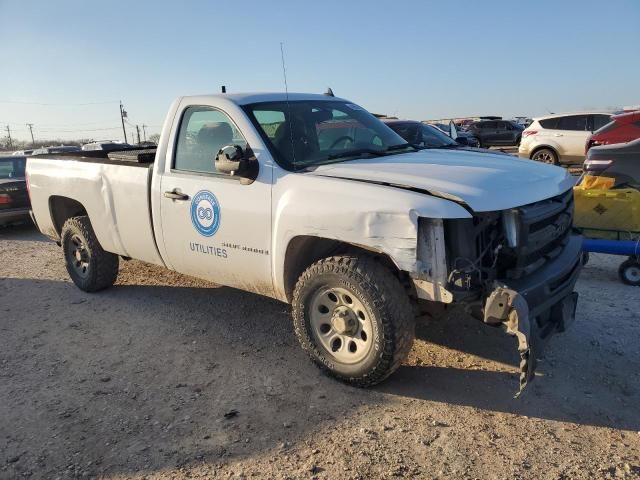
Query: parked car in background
[
  {"x": 619, "y": 161},
  {"x": 56, "y": 150},
  {"x": 524, "y": 122},
  {"x": 14, "y": 199},
  {"x": 424, "y": 135},
  {"x": 496, "y": 132},
  {"x": 621, "y": 129},
  {"x": 107, "y": 146},
  {"x": 560, "y": 138},
  {"x": 463, "y": 137},
  {"x": 23, "y": 153}
]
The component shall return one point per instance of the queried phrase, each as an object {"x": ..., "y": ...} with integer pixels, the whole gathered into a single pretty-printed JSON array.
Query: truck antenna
[{"x": 286, "y": 92}]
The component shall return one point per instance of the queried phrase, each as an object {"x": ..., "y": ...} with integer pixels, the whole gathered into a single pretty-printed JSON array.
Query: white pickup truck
[{"x": 311, "y": 200}]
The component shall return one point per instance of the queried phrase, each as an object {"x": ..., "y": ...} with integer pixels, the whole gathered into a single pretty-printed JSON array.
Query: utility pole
[
  {"x": 138, "y": 130},
  {"x": 144, "y": 131},
  {"x": 33, "y": 142},
  {"x": 123, "y": 115},
  {"x": 9, "y": 135}
]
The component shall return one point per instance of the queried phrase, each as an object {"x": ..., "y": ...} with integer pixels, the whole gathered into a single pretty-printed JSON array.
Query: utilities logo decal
[{"x": 205, "y": 213}]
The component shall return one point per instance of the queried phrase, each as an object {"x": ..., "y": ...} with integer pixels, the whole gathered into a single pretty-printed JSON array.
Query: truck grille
[{"x": 544, "y": 231}]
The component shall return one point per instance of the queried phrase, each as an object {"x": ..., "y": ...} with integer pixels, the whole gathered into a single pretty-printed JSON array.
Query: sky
[{"x": 66, "y": 64}]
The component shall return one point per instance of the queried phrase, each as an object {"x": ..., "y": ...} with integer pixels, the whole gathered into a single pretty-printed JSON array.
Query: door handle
[
  {"x": 176, "y": 195},
  {"x": 558, "y": 135}
]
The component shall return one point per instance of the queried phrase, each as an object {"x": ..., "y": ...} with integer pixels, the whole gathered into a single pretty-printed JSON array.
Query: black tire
[
  {"x": 629, "y": 272},
  {"x": 388, "y": 308},
  {"x": 545, "y": 155},
  {"x": 89, "y": 266}
]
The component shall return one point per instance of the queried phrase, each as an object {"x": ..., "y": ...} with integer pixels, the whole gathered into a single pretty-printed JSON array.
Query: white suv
[{"x": 560, "y": 138}]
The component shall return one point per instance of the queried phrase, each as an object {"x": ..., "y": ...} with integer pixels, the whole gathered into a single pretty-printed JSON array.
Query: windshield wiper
[
  {"x": 356, "y": 153},
  {"x": 400, "y": 147},
  {"x": 448, "y": 145}
]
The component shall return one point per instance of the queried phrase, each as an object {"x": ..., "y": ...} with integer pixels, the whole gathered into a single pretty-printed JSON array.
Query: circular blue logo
[{"x": 205, "y": 213}]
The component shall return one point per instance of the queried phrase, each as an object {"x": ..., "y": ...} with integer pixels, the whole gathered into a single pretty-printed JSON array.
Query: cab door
[{"x": 214, "y": 226}]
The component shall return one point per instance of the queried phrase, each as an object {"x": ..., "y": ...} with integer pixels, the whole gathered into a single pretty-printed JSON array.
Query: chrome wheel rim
[
  {"x": 78, "y": 255},
  {"x": 341, "y": 324},
  {"x": 544, "y": 157}
]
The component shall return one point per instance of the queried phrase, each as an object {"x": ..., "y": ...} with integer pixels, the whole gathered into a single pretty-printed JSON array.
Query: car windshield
[
  {"x": 315, "y": 132},
  {"x": 12, "y": 167}
]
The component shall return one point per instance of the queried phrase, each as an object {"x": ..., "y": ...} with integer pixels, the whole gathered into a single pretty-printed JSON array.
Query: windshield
[
  {"x": 314, "y": 132},
  {"x": 12, "y": 167}
]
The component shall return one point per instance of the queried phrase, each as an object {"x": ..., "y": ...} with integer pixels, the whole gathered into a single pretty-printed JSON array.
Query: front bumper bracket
[{"x": 509, "y": 308}]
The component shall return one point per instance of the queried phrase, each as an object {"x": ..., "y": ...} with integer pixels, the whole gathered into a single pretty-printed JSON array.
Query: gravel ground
[{"x": 165, "y": 376}]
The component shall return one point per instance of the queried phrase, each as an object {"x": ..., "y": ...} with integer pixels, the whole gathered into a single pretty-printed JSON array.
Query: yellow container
[{"x": 603, "y": 209}]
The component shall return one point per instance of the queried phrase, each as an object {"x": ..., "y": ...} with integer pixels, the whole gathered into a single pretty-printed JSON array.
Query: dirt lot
[{"x": 165, "y": 376}]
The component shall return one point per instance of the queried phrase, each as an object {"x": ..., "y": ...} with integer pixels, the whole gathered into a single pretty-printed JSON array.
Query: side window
[
  {"x": 600, "y": 121},
  {"x": 573, "y": 122},
  {"x": 203, "y": 132},
  {"x": 490, "y": 125},
  {"x": 550, "y": 123}
]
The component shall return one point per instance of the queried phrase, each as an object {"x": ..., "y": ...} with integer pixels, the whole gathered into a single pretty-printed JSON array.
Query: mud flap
[{"x": 507, "y": 307}]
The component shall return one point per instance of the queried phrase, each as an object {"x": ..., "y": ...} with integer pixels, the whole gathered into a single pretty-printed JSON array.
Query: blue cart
[{"x": 629, "y": 270}]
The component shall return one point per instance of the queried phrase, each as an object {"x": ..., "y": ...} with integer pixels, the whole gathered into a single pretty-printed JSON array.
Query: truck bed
[{"x": 114, "y": 191}]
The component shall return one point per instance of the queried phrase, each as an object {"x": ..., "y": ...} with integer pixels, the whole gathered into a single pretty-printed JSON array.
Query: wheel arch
[
  {"x": 62, "y": 209},
  {"x": 304, "y": 250}
]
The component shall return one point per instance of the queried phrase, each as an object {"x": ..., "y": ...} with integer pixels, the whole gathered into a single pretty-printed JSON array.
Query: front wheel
[
  {"x": 629, "y": 272},
  {"x": 89, "y": 266},
  {"x": 353, "y": 318}
]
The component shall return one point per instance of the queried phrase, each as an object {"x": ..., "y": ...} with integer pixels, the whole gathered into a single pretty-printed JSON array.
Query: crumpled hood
[{"x": 483, "y": 181}]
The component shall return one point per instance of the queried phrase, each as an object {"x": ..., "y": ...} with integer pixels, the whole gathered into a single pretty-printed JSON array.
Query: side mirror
[
  {"x": 233, "y": 160},
  {"x": 229, "y": 159},
  {"x": 453, "y": 131}
]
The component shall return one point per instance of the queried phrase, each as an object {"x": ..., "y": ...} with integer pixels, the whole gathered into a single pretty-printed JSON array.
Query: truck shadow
[
  {"x": 148, "y": 377},
  {"x": 24, "y": 231}
]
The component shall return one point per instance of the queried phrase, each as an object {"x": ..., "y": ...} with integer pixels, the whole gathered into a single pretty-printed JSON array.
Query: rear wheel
[
  {"x": 629, "y": 272},
  {"x": 353, "y": 318},
  {"x": 89, "y": 266},
  {"x": 545, "y": 155}
]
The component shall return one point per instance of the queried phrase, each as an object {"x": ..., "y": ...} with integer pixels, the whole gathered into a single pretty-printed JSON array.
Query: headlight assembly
[{"x": 511, "y": 227}]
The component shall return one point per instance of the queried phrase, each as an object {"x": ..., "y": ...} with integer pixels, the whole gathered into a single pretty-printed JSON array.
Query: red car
[{"x": 621, "y": 129}]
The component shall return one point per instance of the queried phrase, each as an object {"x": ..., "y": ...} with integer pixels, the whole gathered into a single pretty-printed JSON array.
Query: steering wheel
[{"x": 344, "y": 137}]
